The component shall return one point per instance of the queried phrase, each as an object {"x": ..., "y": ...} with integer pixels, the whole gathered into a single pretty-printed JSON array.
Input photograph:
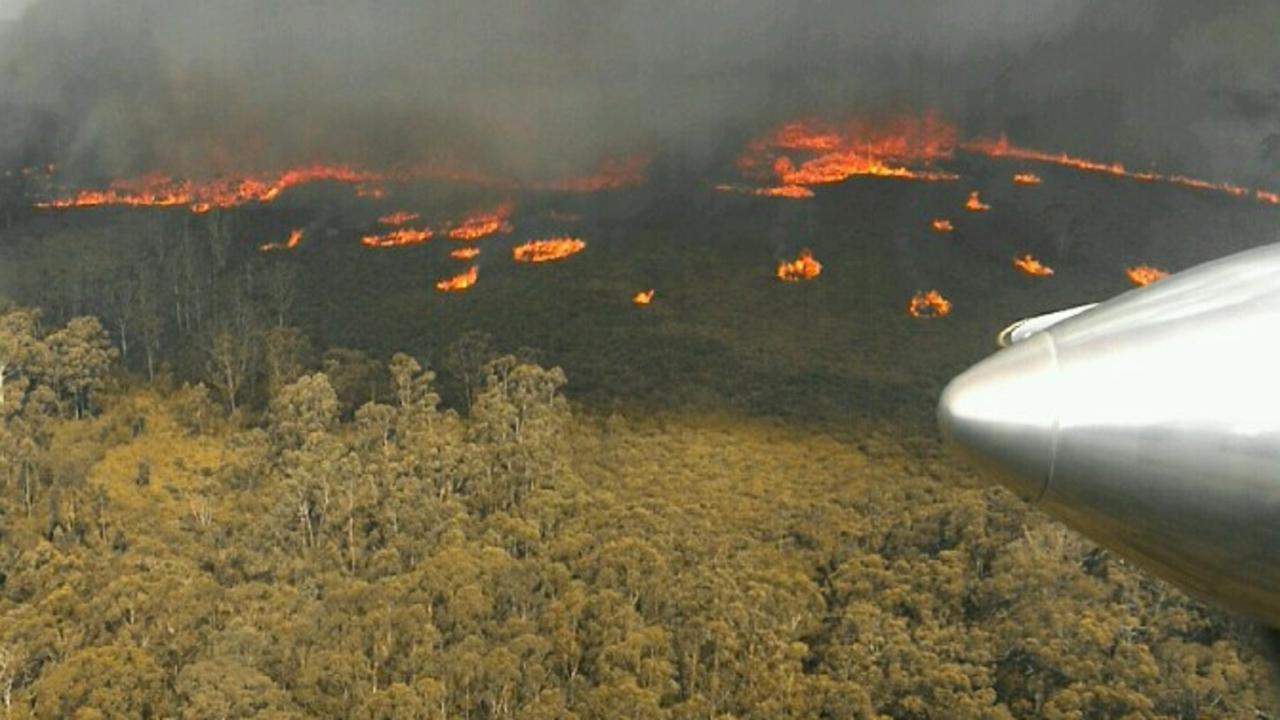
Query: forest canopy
[{"x": 340, "y": 543}]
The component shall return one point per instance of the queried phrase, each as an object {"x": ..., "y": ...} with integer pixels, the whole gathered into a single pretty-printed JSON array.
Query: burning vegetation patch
[
  {"x": 1143, "y": 275},
  {"x": 398, "y": 238},
  {"x": 200, "y": 197},
  {"x": 551, "y": 250},
  {"x": 482, "y": 225},
  {"x": 790, "y": 192},
  {"x": 804, "y": 267},
  {"x": 459, "y": 283},
  {"x": 974, "y": 203},
  {"x": 1002, "y": 148},
  {"x": 1031, "y": 267},
  {"x": 802, "y": 154},
  {"x": 294, "y": 240},
  {"x": 928, "y": 305}
]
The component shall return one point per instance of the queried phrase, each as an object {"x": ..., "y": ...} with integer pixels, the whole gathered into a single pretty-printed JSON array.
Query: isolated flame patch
[
  {"x": 1144, "y": 275},
  {"x": 482, "y": 225},
  {"x": 942, "y": 226},
  {"x": 1026, "y": 179},
  {"x": 928, "y": 305},
  {"x": 803, "y": 267},
  {"x": 398, "y": 238},
  {"x": 459, "y": 283},
  {"x": 975, "y": 204},
  {"x": 1028, "y": 265},
  {"x": 465, "y": 253},
  {"x": 642, "y": 298},
  {"x": 542, "y": 251},
  {"x": 295, "y": 239}
]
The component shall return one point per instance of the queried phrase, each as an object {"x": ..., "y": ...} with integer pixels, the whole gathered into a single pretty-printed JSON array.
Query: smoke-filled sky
[
  {"x": 10, "y": 9},
  {"x": 543, "y": 88}
]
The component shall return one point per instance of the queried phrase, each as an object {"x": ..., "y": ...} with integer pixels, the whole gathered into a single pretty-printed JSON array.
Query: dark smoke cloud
[{"x": 543, "y": 88}]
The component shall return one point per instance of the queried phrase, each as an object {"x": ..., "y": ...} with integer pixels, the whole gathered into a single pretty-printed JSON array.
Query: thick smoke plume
[{"x": 545, "y": 88}]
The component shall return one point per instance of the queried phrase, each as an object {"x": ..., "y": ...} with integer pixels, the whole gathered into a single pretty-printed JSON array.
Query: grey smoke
[{"x": 549, "y": 87}]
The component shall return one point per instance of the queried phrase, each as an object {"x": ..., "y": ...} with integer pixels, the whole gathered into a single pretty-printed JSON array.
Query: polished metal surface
[
  {"x": 1150, "y": 423},
  {"x": 1024, "y": 329}
]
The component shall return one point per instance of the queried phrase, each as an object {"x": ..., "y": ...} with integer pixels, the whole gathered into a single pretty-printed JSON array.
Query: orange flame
[
  {"x": 838, "y": 167},
  {"x": 295, "y": 239},
  {"x": 792, "y": 192},
  {"x": 160, "y": 191},
  {"x": 803, "y": 267},
  {"x": 642, "y": 298},
  {"x": 1026, "y": 179},
  {"x": 942, "y": 226},
  {"x": 157, "y": 191},
  {"x": 928, "y": 305},
  {"x": 483, "y": 225},
  {"x": 975, "y": 204},
  {"x": 1028, "y": 265},
  {"x": 541, "y": 251},
  {"x": 459, "y": 283},
  {"x": 1002, "y": 148},
  {"x": 800, "y": 136},
  {"x": 1144, "y": 275},
  {"x": 398, "y": 218},
  {"x": 397, "y": 238},
  {"x": 465, "y": 253},
  {"x": 895, "y": 151}
]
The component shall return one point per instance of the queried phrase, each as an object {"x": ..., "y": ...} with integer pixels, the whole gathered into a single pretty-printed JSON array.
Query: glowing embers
[
  {"x": 481, "y": 225},
  {"x": 542, "y": 251},
  {"x": 791, "y": 192},
  {"x": 465, "y": 253},
  {"x": 928, "y": 305},
  {"x": 803, "y": 267},
  {"x": 1144, "y": 275},
  {"x": 903, "y": 148},
  {"x": 396, "y": 219},
  {"x": 1026, "y": 179},
  {"x": 459, "y": 283},
  {"x": 613, "y": 174},
  {"x": 642, "y": 298},
  {"x": 942, "y": 225},
  {"x": 975, "y": 204},
  {"x": 295, "y": 239},
  {"x": 398, "y": 238},
  {"x": 371, "y": 192},
  {"x": 1028, "y": 265}
]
